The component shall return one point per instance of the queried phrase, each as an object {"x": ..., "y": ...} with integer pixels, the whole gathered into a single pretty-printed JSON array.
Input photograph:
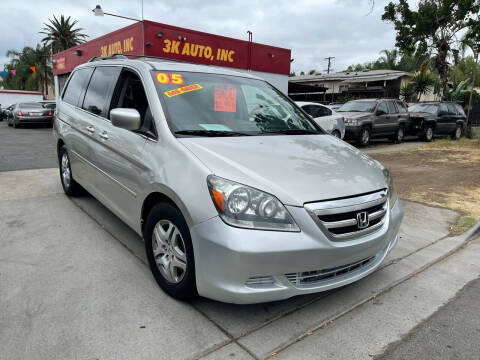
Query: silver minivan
[{"x": 238, "y": 195}]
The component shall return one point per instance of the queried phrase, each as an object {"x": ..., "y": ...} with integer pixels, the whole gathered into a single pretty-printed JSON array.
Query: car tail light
[
  {"x": 19, "y": 113},
  {"x": 343, "y": 119},
  {"x": 49, "y": 113}
]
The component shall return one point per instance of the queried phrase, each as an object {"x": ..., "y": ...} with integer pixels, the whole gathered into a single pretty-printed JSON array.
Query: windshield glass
[
  {"x": 358, "y": 106},
  {"x": 30, "y": 105},
  {"x": 427, "y": 108},
  {"x": 200, "y": 104}
]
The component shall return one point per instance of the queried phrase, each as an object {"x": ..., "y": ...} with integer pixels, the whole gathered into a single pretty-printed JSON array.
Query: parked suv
[
  {"x": 428, "y": 119},
  {"x": 369, "y": 118},
  {"x": 237, "y": 193}
]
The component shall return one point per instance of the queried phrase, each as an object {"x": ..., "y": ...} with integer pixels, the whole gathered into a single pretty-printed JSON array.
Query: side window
[
  {"x": 443, "y": 108},
  {"x": 99, "y": 89},
  {"x": 323, "y": 111},
  {"x": 391, "y": 107},
  {"x": 401, "y": 107},
  {"x": 309, "y": 109},
  {"x": 129, "y": 93},
  {"x": 76, "y": 86},
  {"x": 460, "y": 110},
  {"x": 382, "y": 107},
  {"x": 451, "y": 109}
]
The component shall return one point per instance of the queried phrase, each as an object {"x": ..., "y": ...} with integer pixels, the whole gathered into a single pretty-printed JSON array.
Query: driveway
[{"x": 74, "y": 284}]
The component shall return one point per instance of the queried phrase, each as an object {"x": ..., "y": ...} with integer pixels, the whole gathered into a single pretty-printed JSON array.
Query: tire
[
  {"x": 167, "y": 238},
  {"x": 399, "y": 135},
  {"x": 457, "y": 134},
  {"x": 364, "y": 136},
  {"x": 337, "y": 134},
  {"x": 428, "y": 133},
  {"x": 70, "y": 186}
]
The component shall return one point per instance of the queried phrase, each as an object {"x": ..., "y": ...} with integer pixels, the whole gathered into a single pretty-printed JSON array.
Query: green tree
[
  {"x": 423, "y": 81},
  {"x": 25, "y": 78},
  {"x": 61, "y": 34},
  {"x": 433, "y": 28},
  {"x": 389, "y": 59}
]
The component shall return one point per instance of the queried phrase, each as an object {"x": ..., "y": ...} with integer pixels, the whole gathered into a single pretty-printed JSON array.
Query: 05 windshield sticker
[
  {"x": 225, "y": 99},
  {"x": 183, "y": 90},
  {"x": 168, "y": 78}
]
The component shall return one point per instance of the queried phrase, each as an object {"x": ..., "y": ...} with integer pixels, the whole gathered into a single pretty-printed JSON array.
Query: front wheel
[
  {"x": 170, "y": 252},
  {"x": 428, "y": 133},
  {"x": 399, "y": 135},
  {"x": 364, "y": 136},
  {"x": 457, "y": 134}
]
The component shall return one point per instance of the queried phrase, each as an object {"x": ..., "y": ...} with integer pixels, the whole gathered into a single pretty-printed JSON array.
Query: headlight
[
  {"x": 392, "y": 193},
  {"x": 242, "y": 206},
  {"x": 350, "y": 121}
]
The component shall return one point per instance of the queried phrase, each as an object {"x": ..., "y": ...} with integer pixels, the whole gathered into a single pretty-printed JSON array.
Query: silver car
[{"x": 238, "y": 195}]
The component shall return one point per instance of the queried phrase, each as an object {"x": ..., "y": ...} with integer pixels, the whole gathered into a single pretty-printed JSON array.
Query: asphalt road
[{"x": 31, "y": 147}]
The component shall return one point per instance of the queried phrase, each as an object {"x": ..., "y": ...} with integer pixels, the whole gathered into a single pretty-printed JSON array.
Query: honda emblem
[{"x": 362, "y": 220}]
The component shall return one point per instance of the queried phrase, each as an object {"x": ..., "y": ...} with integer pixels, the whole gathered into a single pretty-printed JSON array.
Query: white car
[{"x": 327, "y": 118}]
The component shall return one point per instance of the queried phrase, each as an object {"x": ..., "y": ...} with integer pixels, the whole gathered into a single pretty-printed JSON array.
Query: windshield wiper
[
  {"x": 292, "y": 132},
  {"x": 211, "y": 133}
]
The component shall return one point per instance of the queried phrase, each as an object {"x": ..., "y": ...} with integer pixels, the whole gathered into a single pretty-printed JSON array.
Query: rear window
[
  {"x": 99, "y": 88},
  {"x": 30, "y": 105},
  {"x": 427, "y": 108},
  {"x": 74, "y": 92},
  {"x": 460, "y": 110},
  {"x": 217, "y": 104},
  {"x": 402, "y": 108}
]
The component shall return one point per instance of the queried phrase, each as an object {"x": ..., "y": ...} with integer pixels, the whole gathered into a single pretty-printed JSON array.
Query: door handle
[
  {"x": 90, "y": 129},
  {"x": 104, "y": 135}
]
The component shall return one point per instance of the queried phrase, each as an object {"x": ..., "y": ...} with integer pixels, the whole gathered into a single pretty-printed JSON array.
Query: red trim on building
[{"x": 177, "y": 43}]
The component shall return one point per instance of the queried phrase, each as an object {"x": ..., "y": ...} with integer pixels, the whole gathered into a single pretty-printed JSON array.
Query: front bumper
[
  {"x": 352, "y": 132},
  {"x": 228, "y": 258}
]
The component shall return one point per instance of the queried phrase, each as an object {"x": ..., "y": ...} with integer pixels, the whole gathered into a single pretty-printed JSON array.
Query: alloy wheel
[
  {"x": 365, "y": 136},
  {"x": 169, "y": 251},
  {"x": 429, "y": 133},
  {"x": 458, "y": 133},
  {"x": 400, "y": 135},
  {"x": 66, "y": 175}
]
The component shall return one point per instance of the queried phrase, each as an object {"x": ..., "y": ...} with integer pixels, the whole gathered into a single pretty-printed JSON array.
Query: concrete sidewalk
[{"x": 74, "y": 284}]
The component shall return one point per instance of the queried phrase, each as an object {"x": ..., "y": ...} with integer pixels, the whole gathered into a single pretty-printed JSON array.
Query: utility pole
[{"x": 329, "y": 61}]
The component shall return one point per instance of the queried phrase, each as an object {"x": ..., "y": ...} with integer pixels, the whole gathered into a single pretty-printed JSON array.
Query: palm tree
[
  {"x": 471, "y": 39},
  {"x": 61, "y": 35},
  {"x": 389, "y": 59},
  {"x": 423, "y": 81}
]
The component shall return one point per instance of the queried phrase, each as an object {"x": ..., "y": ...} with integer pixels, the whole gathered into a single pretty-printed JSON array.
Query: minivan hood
[{"x": 295, "y": 168}]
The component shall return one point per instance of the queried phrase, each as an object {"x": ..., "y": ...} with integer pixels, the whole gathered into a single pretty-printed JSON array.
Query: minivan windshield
[
  {"x": 426, "y": 108},
  {"x": 358, "y": 106},
  {"x": 201, "y": 104}
]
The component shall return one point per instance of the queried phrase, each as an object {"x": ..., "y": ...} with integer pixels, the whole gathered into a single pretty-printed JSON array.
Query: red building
[{"x": 154, "y": 39}]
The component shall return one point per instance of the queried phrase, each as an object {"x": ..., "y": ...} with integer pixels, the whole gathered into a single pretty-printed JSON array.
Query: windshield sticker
[
  {"x": 215, "y": 127},
  {"x": 225, "y": 99},
  {"x": 183, "y": 90},
  {"x": 164, "y": 78}
]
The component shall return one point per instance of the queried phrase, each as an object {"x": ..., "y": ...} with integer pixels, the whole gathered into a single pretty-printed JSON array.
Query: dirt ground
[{"x": 443, "y": 173}]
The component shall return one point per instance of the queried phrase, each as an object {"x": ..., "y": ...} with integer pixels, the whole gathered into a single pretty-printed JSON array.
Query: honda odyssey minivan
[{"x": 238, "y": 195}]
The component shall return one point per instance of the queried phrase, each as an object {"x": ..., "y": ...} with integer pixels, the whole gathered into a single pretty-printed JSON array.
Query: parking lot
[{"x": 74, "y": 283}]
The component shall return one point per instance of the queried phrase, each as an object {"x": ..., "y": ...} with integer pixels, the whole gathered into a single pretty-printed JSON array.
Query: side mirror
[{"x": 125, "y": 118}]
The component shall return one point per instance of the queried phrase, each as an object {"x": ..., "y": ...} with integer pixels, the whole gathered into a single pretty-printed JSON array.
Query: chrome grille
[
  {"x": 345, "y": 219},
  {"x": 314, "y": 277}
]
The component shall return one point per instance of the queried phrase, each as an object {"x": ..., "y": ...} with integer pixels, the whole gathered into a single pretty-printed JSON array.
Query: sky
[{"x": 349, "y": 30}]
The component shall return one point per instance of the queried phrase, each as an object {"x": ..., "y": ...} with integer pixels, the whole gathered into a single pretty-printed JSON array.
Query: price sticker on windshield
[
  {"x": 168, "y": 78},
  {"x": 225, "y": 99}
]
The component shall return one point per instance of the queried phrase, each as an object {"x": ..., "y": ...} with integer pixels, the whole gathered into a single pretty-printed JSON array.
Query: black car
[
  {"x": 428, "y": 119},
  {"x": 5, "y": 112}
]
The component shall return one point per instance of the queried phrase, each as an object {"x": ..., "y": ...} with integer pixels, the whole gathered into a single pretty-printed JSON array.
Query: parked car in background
[
  {"x": 51, "y": 105},
  {"x": 238, "y": 195},
  {"x": 328, "y": 119},
  {"x": 374, "y": 118},
  {"x": 30, "y": 113},
  {"x": 428, "y": 119},
  {"x": 6, "y": 111},
  {"x": 334, "y": 106}
]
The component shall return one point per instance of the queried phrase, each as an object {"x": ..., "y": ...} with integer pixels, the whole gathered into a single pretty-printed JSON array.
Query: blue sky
[{"x": 312, "y": 29}]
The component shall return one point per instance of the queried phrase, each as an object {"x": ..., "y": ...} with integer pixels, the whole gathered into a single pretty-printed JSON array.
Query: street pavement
[
  {"x": 74, "y": 284},
  {"x": 23, "y": 148}
]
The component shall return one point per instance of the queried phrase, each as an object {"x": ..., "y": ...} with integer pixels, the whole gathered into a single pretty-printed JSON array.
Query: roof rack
[
  {"x": 114, "y": 56},
  {"x": 126, "y": 56}
]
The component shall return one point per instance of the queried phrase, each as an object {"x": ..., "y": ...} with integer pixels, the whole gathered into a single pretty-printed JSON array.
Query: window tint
[
  {"x": 443, "y": 108},
  {"x": 382, "y": 107},
  {"x": 451, "y": 109},
  {"x": 391, "y": 107},
  {"x": 402, "y": 108},
  {"x": 460, "y": 110},
  {"x": 74, "y": 91},
  {"x": 317, "y": 111},
  {"x": 99, "y": 89},
  {"x": 309, "y": 109},
  {"x": 129, "y": 93}
]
